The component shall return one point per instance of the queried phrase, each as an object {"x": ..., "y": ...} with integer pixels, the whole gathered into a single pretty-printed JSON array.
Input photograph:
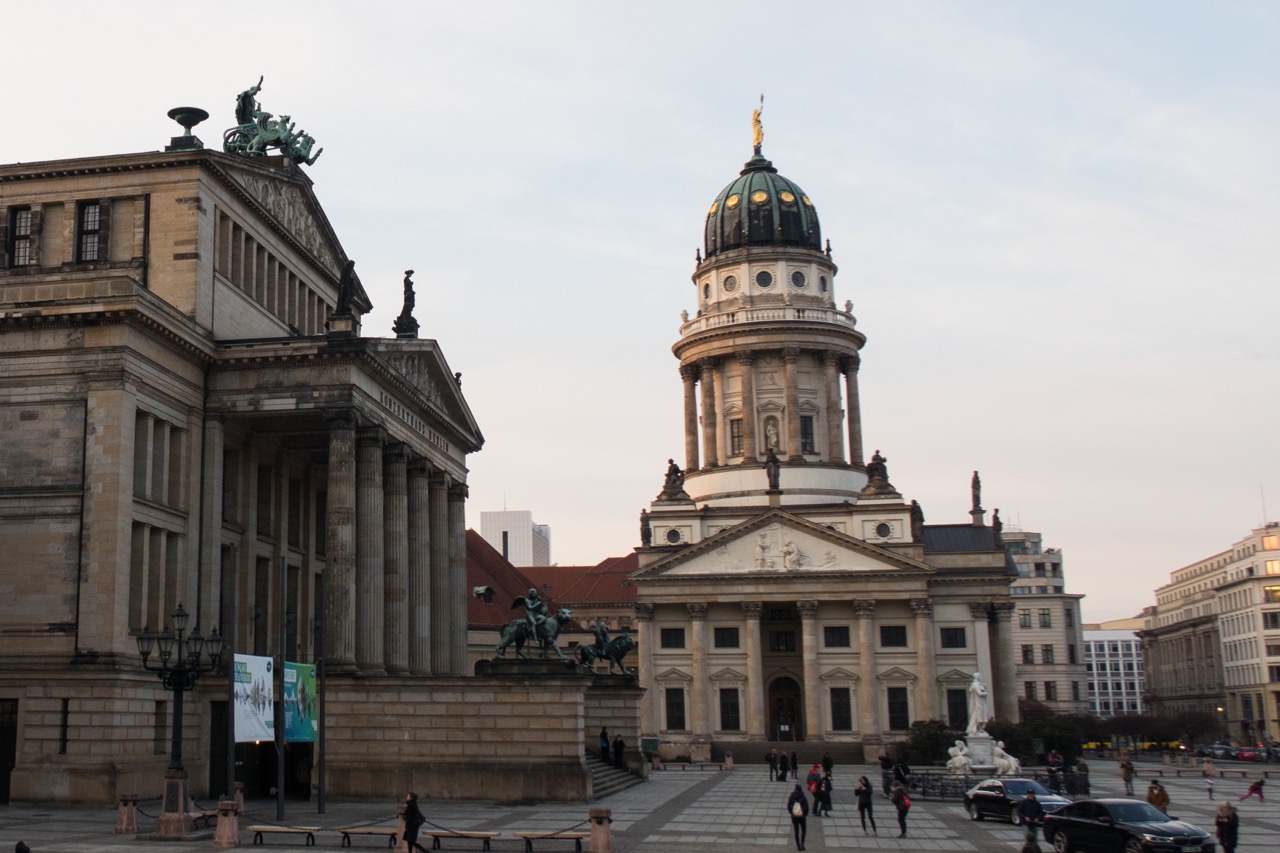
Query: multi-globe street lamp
[{"x": 182, "y": 662}]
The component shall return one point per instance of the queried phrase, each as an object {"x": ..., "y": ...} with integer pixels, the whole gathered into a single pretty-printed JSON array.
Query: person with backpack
[
  {"x": 413, "y": 821},
  {"x": 901, "y": 802},
  {"x": 798, "y": 808},
  {"x": 811, "y": 782}
]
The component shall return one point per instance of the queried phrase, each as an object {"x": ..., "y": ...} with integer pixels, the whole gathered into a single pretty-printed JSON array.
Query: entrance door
[
  {"x": 8, "y": 744},
  {"x": 786, "y": 710}
]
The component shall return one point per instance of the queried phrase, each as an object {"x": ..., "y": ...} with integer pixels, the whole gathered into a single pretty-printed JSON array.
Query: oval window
[
  {"x": 715, "y": 205},
  {"x": 706, "y": 290}
]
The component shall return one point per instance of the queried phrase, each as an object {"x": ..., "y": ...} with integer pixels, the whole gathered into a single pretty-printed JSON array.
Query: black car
[
  {"x": 1000, "y": 798},
  {"x": 1122, "y": 826}
]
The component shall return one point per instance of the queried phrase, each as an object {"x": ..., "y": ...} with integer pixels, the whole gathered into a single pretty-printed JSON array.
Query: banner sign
[
  {"x": 300, "y": 706},
  {"x": 255, "y": 699}
]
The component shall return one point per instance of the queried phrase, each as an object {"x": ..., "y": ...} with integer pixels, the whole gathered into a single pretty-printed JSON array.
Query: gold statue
[{"x": 757, "y": 129}]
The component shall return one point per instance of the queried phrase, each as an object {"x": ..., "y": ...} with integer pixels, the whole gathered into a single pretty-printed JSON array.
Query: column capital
[
  {"x": 418, "y": 466},
  {"x": 752, "y": 609},
  {"x": 1003, "y": 610},
  {"x": 808, "y": 609},
  {"x": 745, "y": 357},
  {"x": 921, "y": 607},
  {"x": 711, "y": 362},
  {"x": 340, "y": 419},
  {"x": 698, "y": 611},
  {"x": 980, "y": 610},
  {"x": 644, "y": 612},
  {"x": 831, "y": 357},
  {"x": 395, "y": 452},
  {"x": 440, "y": 479},
  {"x": 864, "y": 608},
  {"x": 689, "y": 372},
  {"x": 791, "y": 355},
  {"x": 459, "y": 492},
  {"x": 852, "y": 363},
  {"x": 371, "y": 435}
]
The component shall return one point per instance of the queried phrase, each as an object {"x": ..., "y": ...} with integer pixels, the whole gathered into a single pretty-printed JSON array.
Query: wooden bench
[
  {"x": 207, "y": 819},
  {"x": 308, "y": 831},
  {"x": 477, "y": 834},
  {"x": 542, "y": 835},
  {"x": 390, "y": 832}
]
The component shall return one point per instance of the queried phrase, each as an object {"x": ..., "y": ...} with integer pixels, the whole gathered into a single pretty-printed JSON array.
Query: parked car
[
  {"x": 1246, "y": 753},
  {"x": 1000, "y": 798},
  {"x": 1122, "y": 826},
  {"x": 1222, "y": 752}
]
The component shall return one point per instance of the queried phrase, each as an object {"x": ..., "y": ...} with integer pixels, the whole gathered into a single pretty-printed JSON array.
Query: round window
[
  {"x": 730, "y": 284},
  {"x": 673, "y": 535},
  {"x": 764, "y": 278},
  {"x": 882, "y": 530},
  {"x": 797, "y": 278}
]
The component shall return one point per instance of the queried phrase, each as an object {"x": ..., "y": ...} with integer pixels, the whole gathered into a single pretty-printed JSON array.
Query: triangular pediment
[
  {"x": 778, "y": 543},
  {"x": 728, "y": 674},
  {"x": 423, "y": 369},
  {"x": 839, "y": 674},
  {"x": 670, "y": 676},
  {"x": 897, "y": 675},
  {"x": 955, "y": 676}
]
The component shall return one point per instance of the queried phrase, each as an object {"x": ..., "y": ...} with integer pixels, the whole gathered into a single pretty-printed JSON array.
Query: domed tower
[{"x": 767, "y": 355}]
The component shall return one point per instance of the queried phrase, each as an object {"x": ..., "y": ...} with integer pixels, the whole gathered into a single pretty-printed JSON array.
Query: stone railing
[{"x": 768, "y": 314}]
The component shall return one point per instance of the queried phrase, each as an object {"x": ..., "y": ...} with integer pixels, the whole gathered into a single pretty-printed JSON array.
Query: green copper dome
[{"x": 761, "y": 208}]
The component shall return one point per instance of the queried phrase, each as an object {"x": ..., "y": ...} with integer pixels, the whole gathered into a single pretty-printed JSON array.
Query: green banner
[{"x": 300, "y": 704}]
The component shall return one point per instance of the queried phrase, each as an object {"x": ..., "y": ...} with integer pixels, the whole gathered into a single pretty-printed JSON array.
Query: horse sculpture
[
  {"x": 518, "y": 632},
  {"x": 614, "y": 651}
]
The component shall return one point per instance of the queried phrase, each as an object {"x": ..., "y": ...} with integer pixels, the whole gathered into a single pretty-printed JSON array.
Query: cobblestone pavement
[{"x": 711, "y": 811}]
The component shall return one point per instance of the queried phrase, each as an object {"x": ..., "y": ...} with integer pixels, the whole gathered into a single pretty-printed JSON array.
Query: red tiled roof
[
  {"x": 486, "y": 567},
  {"x": 607, "y": 582}
]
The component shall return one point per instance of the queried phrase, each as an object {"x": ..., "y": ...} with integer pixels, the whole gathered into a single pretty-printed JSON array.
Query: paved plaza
[{"x": 714, "y": 811}]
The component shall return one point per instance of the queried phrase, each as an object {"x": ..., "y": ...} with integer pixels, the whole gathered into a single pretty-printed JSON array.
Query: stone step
[{"x": 607, "y": 779}]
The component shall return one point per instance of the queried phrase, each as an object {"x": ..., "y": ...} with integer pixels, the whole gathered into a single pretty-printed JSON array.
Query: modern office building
[
  {"x": 517, "y": 537},
  {"x": 1117, "y": 673}
]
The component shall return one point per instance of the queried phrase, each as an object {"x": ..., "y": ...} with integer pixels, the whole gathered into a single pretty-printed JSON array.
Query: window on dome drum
[
  {"x": 899, "y": 709},
  {"x": 782, "y": 641},
  {"x": 18, "y": 244},
  {"x": 88, "y": 231},
  {"x": 735, "y": 437},
  {"x": 1028, "y": 653},
  {"x": 835, "y": 636},
  {"x": 706, "y": 291},
  {"x": 822, "y": 283},
  {"x": 671, "y": 638},
  {"x": 841, "y": 710},
  {"x": 958, "y": 709},
  {"x": 952, "y": 638},
  {"x": 764, "y": 278},
  {"x": 797, "y": 278},
  {"x": 893, "y": 636},
  {"x": 675, "y": 709},
  {"x": 730, "y": 718},
  {"x": 726, "y": 638},
  {"x": 806, "y": 434}
]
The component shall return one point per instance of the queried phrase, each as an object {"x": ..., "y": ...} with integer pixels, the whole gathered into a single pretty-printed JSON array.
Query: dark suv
[{"x": 1122, "y": 826}]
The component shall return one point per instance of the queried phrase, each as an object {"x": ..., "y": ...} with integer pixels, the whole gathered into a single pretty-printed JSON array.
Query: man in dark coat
[
  {"x": 798, "y": 808},
  {"x": 1031, "y": 811},
  {"x": 619, "y": 746},
  {"x": 772, "y": 758},
  {"x": 783, "y": 766}
]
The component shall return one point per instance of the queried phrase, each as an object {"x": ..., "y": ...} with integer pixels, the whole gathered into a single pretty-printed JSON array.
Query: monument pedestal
[{"x": 981, "y": 753}]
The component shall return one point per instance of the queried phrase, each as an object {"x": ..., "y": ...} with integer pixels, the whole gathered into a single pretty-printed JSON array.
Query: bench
[
  {"x": 543, "y": 835},
  {"x": 207, "y": 819},
  {"x": 476, "y": 834},
  {"x": 390, "y": 832},
  {"x": 308, "y": 831}
]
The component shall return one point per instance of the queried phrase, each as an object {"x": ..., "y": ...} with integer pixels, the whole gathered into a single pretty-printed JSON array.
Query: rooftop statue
[
  {"x": 757, "y": 129},
  {"x": 256, "y": 131}
]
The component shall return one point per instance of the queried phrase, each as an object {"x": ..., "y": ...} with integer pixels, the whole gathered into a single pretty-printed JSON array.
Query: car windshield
[
  {"x": 1021, "y": 786},
  {"x": 1137, "y": 813}
]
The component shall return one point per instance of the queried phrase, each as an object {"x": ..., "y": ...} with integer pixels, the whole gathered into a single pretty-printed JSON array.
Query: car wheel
[
  {"x": 1014, "y": 817},
  {"x": 1061, "y": 844},
  {"x": 972, "y": 808},
  {"x": 1133, "y": 845}
]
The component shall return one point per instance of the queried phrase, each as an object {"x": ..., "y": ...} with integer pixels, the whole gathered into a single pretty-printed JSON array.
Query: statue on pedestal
[{"x": 979, "y": 713}]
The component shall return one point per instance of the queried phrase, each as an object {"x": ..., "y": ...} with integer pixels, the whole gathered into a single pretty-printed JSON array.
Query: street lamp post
[{"x": 182, "y": 662}]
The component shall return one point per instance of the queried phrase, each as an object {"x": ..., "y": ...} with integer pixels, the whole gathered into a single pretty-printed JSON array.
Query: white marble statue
[
  {"x": 979, "y": 713},
  {"x": 1006, "y": 764},
  {"x": 959, "y": 763}
]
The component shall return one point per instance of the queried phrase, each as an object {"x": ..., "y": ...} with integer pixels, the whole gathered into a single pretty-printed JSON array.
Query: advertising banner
[
  {"x": 300, "y": 725},
  {"x": 254, "y": 699}
]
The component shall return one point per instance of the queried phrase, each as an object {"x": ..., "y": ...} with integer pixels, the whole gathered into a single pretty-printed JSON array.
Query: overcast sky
[{"x": 1057, "y": 223}]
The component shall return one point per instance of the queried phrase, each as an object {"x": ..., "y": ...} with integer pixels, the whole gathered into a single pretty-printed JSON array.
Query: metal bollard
[
  {"x": 228, "y": 834},
  {"x": 239, "y": 798},
  {"x": 601, "y": 831},
  {"x": 127, "y": 815}
]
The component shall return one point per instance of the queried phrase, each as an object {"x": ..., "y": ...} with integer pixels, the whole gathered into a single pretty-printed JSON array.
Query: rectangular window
[
  {"x": 807, "y": 443},
  {"x": 1051, "y": 691},
  {"x": 1024, "y": 618},
  {"x": 321, "y": 521},
  {"x": 1273, "y": 567},
  {"x": 1273, "y": 650},
  {"x": 675, "y": 709},
  {"x": 841, "y": 710},
  {"x": 1046, "y": 618},
  {"x": 1046, "y": 653},
  {"x": 1273, "y": 674},
  {"x": 730, "y": 718},
  {"x": 958, "y": 709},
  {"x": 1271, "y": 594},
  {"x": 19, "y": 243},
  {"x": 88, "y": 232},
  {"x": 952, "y": 638},
  {"x": 782, "y": 641},
  {"x": 726, "y": 638},
  {"x": 1075, "y": 691},
  {"x": 735, "y": 437},
  {"x": 1068, "y": 617},
  {"x": 1029, "y": 690},
  {"x": 1271, "y": 621},
  {"x": 1271, "y": 542},
  {"x": 893, "y": 636},
  {"x": 64, "y": 726},
  {"x": 671, "y": 638},
  {"x": 836, "y": 636},
  {"x": 1028, "y": 653},
  {"x": 1071, "y": 653},
  {"x": 899, "y": 710}
]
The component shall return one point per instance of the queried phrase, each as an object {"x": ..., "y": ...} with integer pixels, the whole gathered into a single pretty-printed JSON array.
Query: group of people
[
  {"x": 617, "y": 747},
  {"x": 780, "y": 764}
]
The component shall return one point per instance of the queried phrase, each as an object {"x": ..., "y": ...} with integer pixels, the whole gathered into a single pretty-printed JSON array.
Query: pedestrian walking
[
  {"x": 798, "y": 808},
  {"x": 784, "y": 764},
  {"x": 824, "y": 792},
  {"x": 795, "y": 766},
  {"x": 771, "y": 758},
  {"x": 1208, "y": 784},
  {"x": 1158, "y": 795},
  {"x": 1127, "y": 773},
  {"x": 1255, "y": 788},
  {"x": 413, "y": 821},
  {"x": 604, "y": 746},
  {"x": 901, "y": 802},
  {"x": 863, "y": 794},
  {"x": 1031, "y": 811},
  {"x": 1227, "y": 822},
  {"x": 886, "y": 772},
  {"x": 811, "y": 782},
  {"x": 619, "y": 747},
  {"x": 828, "y": 763}
]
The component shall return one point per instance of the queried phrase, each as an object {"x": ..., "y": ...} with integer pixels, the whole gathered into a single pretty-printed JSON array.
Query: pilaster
[
  {"x": 751, "y": 612},
  {"x": 926, "y": 697},
  {"x": 813, "y": 728},
  {"x": 856, "y": 453},
  {"x": 868, "y": 704},
  {"x": 750, "y": 450},
  {"x": 790, "y": 358}
]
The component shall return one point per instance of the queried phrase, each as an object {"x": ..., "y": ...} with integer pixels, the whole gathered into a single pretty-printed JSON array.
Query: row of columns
[
  {"x": 709, "y": 373},
  {"x": 701, "y": 718},
  {"x": 396, "y": 559}
]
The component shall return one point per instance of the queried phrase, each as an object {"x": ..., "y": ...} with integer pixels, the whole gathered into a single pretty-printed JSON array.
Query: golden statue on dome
[{"x": 757, "y": 129}]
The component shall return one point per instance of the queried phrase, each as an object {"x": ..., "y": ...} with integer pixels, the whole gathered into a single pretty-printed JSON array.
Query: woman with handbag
[{"x": 901, "y": 802}]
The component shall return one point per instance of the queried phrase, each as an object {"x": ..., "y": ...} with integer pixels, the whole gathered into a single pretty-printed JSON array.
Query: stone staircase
[
  {"x": 607, "y": 779},
  {"x": 752, "y": 753}
]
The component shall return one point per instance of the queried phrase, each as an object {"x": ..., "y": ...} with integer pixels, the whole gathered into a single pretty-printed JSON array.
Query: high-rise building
[
  {"x": 1117, "y": 673},
  {"x": 517, "y": 537}
]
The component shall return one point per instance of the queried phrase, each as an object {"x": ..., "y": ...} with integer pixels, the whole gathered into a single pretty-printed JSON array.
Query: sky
[{"x": 1057, "y": 224}]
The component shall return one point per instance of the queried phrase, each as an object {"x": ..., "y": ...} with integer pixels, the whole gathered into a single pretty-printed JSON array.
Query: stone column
[
  {"x": 211, "y": 514},
  {"x": 981, "y": 613},
  {"x": 926, "y": 697},
  {"x": 689, "y": 373},
  {"x": 419, "y": 568},
  {"x": 457, "y": 591},
  {"x": 813, "y": 728},
  {"x": 644, "y": 669},
  {"x": 440, "y": 607},
  {"x": 1005, "y": 690},
  {"x": 790, "y": 358},
  {"x": 856, "y": 457},
  {"x": 369, "y": 543},
  {"x": 395, "y": 555},
  {"x": 835, "y": 436},
  {"x": 751, "y": 611},
  {"x": 868, "y": 704},
  {"x": 709, "y": 431},
  {"x": 750, "y": 450},
  {"x": 340, "y": 547},
  {"x": 700, "y": 717}
]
